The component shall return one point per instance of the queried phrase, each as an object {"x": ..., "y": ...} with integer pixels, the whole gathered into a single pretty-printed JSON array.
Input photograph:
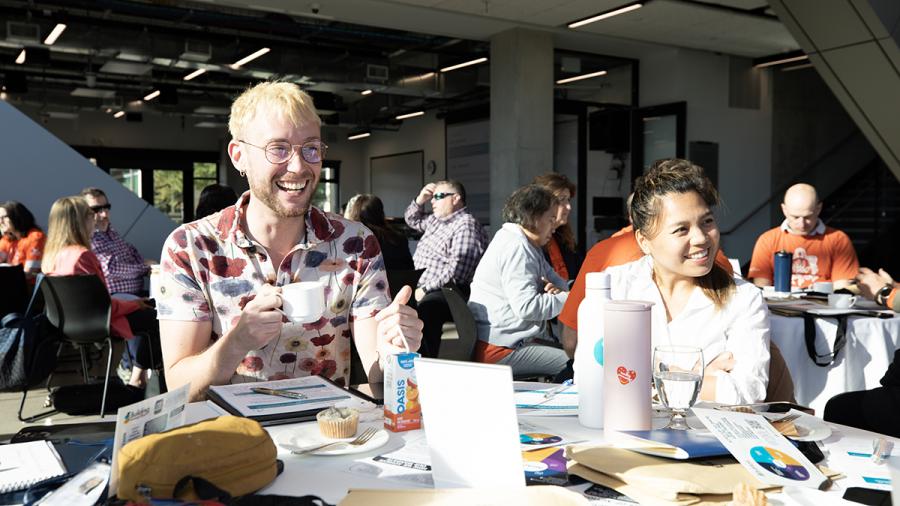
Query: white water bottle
[
  {"x": 589, "y": 350},
  {"x": 626, "y": 353}
]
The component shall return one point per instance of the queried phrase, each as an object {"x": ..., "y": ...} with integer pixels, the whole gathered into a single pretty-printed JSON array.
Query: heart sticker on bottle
[{"x": 625, "y": 376}]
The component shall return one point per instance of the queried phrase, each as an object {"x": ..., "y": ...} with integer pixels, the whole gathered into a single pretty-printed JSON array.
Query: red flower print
[
  {"x": 307, "y": 364},
  {"x": 347, "y": 279},
  {"x": 353, "y": 245},
  {"x": 320, "y": 226},
  {"x": 316, "y": 368},
  {"x": 338, "y": 227},
  {"x": 181, "y": 259},
  {"x": 329, "y": 367},
  {"x": 323, "y": 340},
  {"x": 362, "y": 266},
  {"x": 204, "y": 243},
  {"x": 180, "y": 238},
  {"x": 316, "y": 325},
  {"x": 346, "y": 333},
  {"x": 340, "y": 381},
  {"x": 245, "y": 299},
  {"x": 252, "y": 363},
  {"x": 224, "y": 267},
  {"x": 371, "y": 248},
  {"x": 287, "y": 358}
]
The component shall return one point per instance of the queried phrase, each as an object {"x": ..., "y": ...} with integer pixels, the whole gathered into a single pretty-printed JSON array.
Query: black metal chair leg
[{"x": 32, "y": 418}]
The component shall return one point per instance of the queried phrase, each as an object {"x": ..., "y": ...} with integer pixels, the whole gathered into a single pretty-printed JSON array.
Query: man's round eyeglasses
[
  {"x": 441, "y": 195},
  {"x": 99, "y": 209},
  {"x": 278, "y": 152}
]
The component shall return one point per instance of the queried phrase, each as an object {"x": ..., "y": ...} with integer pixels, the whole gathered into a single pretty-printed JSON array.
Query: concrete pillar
[{"x": 521, "y": 112}]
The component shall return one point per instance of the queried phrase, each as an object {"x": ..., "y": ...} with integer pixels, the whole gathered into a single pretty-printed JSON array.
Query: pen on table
[
  {"x": 279, "y": 393},
  {"x": 562, "y": 387}
]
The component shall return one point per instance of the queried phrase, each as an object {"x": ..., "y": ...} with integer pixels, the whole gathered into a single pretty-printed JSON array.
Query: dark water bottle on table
[{"x": 783, "y": 261}]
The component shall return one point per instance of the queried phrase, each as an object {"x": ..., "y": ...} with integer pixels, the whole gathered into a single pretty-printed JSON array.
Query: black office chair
[
  {"x": 466, "y": 332},
  {"x": 80, "y": 307},
  {"x": 14, "y": 291},
  {"x": 397, "y": 278}
]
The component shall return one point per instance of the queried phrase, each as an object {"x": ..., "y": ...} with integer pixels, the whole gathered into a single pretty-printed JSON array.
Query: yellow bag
[{"x": 234, "y": 454}]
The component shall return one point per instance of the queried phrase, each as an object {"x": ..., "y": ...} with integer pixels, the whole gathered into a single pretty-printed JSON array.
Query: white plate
[
  {"x": 308, "y": 436},
  {"x": 811, "y": 428}
]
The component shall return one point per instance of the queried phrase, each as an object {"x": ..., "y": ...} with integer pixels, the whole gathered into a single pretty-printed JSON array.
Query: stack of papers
[{"x": 25, "y": 464}]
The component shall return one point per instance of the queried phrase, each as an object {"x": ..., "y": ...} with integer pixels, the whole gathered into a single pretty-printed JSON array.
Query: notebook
[
  {"x": 469, "y": 415},
  {"x": 24, "y": 464},
  {"x": 674, "y": 444}
]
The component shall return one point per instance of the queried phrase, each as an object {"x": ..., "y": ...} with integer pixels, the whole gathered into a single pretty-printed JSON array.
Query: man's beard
[{"x": 265, "y": 192}]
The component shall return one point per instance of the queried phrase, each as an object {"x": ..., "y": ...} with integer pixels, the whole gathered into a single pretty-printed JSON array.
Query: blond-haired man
[{"x": 219, "y": 308}]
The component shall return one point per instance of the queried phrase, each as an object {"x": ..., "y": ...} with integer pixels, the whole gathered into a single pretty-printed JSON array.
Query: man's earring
[{"x": 242, "y": 173}]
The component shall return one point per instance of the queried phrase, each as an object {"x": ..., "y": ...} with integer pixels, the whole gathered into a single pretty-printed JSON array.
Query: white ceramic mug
[
  {"x": 841, "y": 300},
  {"x": 823, "y": 287},
  {"x": 303, "y": 302}
]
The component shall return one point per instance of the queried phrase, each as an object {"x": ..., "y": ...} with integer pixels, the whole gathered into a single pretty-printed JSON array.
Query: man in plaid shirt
[
  {"x": 122, "y": 265},
  {"x": 451, "y": 247}
]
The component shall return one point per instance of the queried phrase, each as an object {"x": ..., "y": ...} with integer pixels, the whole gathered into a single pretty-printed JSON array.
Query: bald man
[{"x": 819, "y": 253}]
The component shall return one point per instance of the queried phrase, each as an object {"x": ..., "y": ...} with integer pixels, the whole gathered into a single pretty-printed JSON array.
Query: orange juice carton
[{"x": 402, "y": 410}]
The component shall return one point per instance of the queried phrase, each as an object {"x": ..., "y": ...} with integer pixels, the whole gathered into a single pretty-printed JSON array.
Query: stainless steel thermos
[{"x": 782, "y": 280}]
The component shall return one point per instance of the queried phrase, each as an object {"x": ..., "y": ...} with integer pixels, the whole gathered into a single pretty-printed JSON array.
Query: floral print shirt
[{"x": 210, "y": 269}]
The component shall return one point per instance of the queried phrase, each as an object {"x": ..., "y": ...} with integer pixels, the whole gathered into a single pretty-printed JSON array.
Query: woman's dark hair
[
  {"x": 19, "y": 216},
  {"x": 527, "y": 204},
  {"x": 674, "y": 175},
  {"x": 556, "y": 183},
  {"x": 213, "y": 199},
  {"x": 369, "y": 210}
]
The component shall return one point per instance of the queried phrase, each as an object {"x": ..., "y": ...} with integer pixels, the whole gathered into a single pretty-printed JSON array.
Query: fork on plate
[{"x": 360, "y": 440}]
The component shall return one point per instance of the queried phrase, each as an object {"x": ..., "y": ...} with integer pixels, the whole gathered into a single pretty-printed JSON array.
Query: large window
[{"x": 327, "y": 196}]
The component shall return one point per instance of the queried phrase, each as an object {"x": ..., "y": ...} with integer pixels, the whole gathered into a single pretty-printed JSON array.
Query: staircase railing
[{"x": 809, "y": 169}]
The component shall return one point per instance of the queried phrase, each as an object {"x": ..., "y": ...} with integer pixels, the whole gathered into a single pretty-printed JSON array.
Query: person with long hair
[
  {"x": 696, "y": 301},
  {"x": 561, "y": 250},
  {"x": 214, "y": 198},
  {"x": 68, "y": 252},
  {"x": 21, "y": 240},
  {"x": 515, "y": 291},
  {"x": 369, "y": 210}
]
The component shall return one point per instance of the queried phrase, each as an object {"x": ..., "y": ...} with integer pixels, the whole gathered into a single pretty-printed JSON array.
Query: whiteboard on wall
[{"x": 397, "y": 179}]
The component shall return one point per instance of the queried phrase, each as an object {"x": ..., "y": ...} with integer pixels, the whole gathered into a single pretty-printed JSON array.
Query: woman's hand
[
  {"x": 723, "y": 362},
  {"x": 550, "y": 288}
]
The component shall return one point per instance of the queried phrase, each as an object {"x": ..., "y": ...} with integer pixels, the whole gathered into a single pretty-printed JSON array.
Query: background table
[{"x": 859, "y": 366}]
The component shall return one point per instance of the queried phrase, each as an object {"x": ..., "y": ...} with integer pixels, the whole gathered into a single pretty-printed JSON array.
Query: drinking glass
[{"x": 678, "y": 375}]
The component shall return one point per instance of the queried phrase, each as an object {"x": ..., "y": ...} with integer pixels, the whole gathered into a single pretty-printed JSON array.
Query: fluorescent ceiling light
[
  {"x": 365, "y": 92},
  {"x": 21, "y": 58},
  {"x": 210, "y": 124},
  {"x": 411, "y": 115},
  {"x": 119, "y": 114},
  {"x": 604, "y": 15},
  {"x": 93, "y": 93},
  {"x": 247, "y": 59},
  {"x": 194, "y": 74},
  {"x": 57, "y": 31},
  {"x": 150, "y": 96},
  {"x": 464, "y": 64},
  {"x": 361, "y": 135},
  {"x": 208, "y": 109},
  {"x": 797, "y": 67},
  {"x": 583, "y": 76},
  {"x": 781, "y": 60}
]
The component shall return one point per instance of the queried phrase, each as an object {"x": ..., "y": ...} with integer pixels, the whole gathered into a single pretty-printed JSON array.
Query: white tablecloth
[{"x": 859, "y": 366}]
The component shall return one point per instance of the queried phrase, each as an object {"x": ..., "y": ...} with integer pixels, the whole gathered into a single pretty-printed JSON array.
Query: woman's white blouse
[{"x": 741, "y": 327}]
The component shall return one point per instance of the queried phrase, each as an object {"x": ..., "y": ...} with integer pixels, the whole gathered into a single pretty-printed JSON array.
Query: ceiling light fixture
[
  {"x": 194, "y": 74},
  {"x": 150, "y": 96},
  {"x": 119, "y": 114},
  {"x": 21, "y": 58},
  {"x": 410, "y": 115},
  {"x": 365, "y": 92},
  {"x": 770, "y": 61},
  {"x": 606, "y": 14},
  {"x": 465, "y": 64},
  {"x": 579, "y": 78},
  {"x": 57, "y": 31},
  {"x": 361, "y": 135},
  {"x": 247, "y": 59}
]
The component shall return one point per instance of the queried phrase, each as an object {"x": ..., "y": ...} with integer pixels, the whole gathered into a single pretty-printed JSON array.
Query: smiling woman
[{"x": 696, "y": 302}]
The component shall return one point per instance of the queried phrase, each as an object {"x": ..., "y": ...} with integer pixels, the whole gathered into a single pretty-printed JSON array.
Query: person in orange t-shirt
[
  {"x": 820, "y": 253},
  {"x": 22, "y": 242},
  {"x": 620, "y": 248}
]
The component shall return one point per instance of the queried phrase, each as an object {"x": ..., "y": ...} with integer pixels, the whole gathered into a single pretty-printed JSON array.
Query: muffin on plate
[{"x": 338, "y": 423}]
